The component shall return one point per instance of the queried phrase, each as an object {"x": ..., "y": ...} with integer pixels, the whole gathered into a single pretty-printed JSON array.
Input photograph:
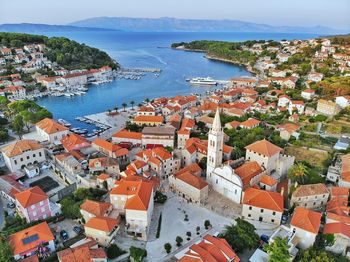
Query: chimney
[{"x": 282, "y": 191}]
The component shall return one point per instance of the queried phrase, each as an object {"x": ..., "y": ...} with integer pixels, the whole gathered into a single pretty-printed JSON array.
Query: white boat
[
  {"x": 203, "y": 81},
  {"x": 64, "y": 122}
]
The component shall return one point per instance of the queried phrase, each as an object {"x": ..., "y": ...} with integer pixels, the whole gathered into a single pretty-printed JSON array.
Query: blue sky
[{"x": 333, "y": 13}]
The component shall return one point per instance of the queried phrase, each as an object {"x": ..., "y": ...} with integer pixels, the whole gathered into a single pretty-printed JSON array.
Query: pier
[{"x": 140, "y": 70}]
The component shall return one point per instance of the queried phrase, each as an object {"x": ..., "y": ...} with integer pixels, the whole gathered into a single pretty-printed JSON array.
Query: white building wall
[
  {"x": 261, "y": 214},
  {"x": 307, "y": 238}
]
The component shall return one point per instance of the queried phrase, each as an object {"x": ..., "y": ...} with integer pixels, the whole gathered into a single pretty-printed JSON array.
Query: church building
[{"x": 221, "y": 177}]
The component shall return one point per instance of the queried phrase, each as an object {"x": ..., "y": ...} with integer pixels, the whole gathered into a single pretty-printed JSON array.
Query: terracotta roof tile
[
  {"x": 140, "y": 192},
  {"x": 263, "y": 199},
  {"x": 20, "y": 147},
  {"x": 306, "y": 219},
  {"x": 96, "y": 208},
  {"x": 192, "y": 180},
  {"x": 310, "y": 190},
  {"x": 264, "y": 147},
  {"x": 50, "y": 126},
  {"x": 42, "y": 231},
  {"x": 105, "y": 224},
  {"x": 31, "y": 196}
]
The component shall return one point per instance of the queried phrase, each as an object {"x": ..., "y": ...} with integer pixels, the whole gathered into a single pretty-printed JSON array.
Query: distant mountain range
[
  {"x": 40, "y": 28},
  {"x": 195, "y": 25},
  {"x": 165, "y": 25}
]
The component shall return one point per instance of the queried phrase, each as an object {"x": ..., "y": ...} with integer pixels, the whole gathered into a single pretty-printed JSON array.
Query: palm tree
[
  {"x": 298, "y": 173},
  {"x": 147, "y": 100},
  {"x": 116, "y": 109},
  {"x": 124, "y": 106},
  {"x": 132, "y": 103}
]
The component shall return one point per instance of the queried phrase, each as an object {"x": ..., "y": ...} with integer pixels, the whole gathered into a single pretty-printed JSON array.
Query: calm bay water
[{"x": 147, "y": 49}]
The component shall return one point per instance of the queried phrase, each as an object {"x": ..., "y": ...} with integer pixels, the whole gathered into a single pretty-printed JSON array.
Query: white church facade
[{"x": 221, "y": 177}]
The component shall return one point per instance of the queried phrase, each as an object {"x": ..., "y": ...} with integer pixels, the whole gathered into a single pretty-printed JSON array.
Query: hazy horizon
[{"x": 289, "y": 13}]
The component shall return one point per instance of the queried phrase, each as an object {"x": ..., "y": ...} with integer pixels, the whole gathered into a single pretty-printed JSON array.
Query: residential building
[
  {"x": 146, "y": 111},
  {"x": 211, "y": 248},
  {"x": 73, "y": 141},
  {"x": 344, "y": 179},
  {"x": 288, "y": 130},
  {"x": 102, "y": 229},
  {"x": 134, "y": 200},
  {"x": 23, "y": 153},
  {"x": 111, "y": 150},
  {"x": 342, "y": 101},
  {"x": 69, "y": 163},
  {"x": 315, "y": 77},
  {"x": 85, "y": 250},
  {"x": 250, "y": 123},
  {"x": 152, "y": 136},
  {"x": 327, "y": 108},
  {"x": 160, "y": 161},
  {"x": 148, "y": 120},
  {"x": 296, "y": 106},
  {"x": 90, "y": 209},
  {"x": 26, "y": 242},
  {"x": 189, "y": 185},
  {"x": 33, "y": 204},
  {"x": 311, "y": 196},
  {"x": 308, "y": 94},
  {"x": 341, "y": 233},
  {"x": 263, "y": 206},
  {"x": 125, "y": 136},
  {"x": 104, "y": 164},
  {"x": 305, "y": 224},
  {"x": 15, "y": 92},
  {"x": 51, "y": 131}
]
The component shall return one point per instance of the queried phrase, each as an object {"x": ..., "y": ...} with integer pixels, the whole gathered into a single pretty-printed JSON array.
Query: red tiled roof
[
  {"x": 42, "y": 231},
  {"x": 31, "y": 196},
  {"x": 264, "y": 147},
  {"x": 191, "y": 179},
  {"x": 337, "y": 228},
  {"x": 263, "y": 199},
  {"x": 140, "y": 192},
  {"x": 247, "y": 171},
  {"x": 50, "y": 126},
  {"x": 105, "y": 224},
  {"x": 96, "y": 208},
  {"x": 306, "y": 219}
]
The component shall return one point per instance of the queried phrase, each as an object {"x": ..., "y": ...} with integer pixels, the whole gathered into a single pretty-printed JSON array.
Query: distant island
[
  {"x": 195, "y": 25},
  {"x": 40, "y": 28}
]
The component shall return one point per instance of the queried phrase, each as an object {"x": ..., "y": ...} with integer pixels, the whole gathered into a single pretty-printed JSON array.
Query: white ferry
[{"x": 203, "y": 81}]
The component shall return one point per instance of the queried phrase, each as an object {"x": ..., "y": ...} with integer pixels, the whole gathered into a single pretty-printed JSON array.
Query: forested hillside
[{"x": 67, "y": 53}]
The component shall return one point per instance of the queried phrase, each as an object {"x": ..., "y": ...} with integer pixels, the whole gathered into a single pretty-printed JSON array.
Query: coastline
[{"x": 219, "y": 59}]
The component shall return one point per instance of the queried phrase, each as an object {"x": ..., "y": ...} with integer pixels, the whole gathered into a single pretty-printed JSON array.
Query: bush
[
  {"x": 159, "y": 226},
  {"x": 137, "y": 254},
  {"x": 167, "y": 247},
  {"x": 179, "y": 241},
  {"x": 198, "y": 229},
  {"x": 160, "y": 197},
  {"x": 114, "y": 251},
  {"x": 207, "y": 224}
]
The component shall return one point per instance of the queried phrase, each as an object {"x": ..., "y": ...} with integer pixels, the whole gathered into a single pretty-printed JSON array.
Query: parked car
[
  {"x": 64, "y": 235},
  {"x": 11, "y": 205},
  {"x": 265, "y": 238},
  {"x": 78, "y": 230},
  {"x": 284, "y": 219}
]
